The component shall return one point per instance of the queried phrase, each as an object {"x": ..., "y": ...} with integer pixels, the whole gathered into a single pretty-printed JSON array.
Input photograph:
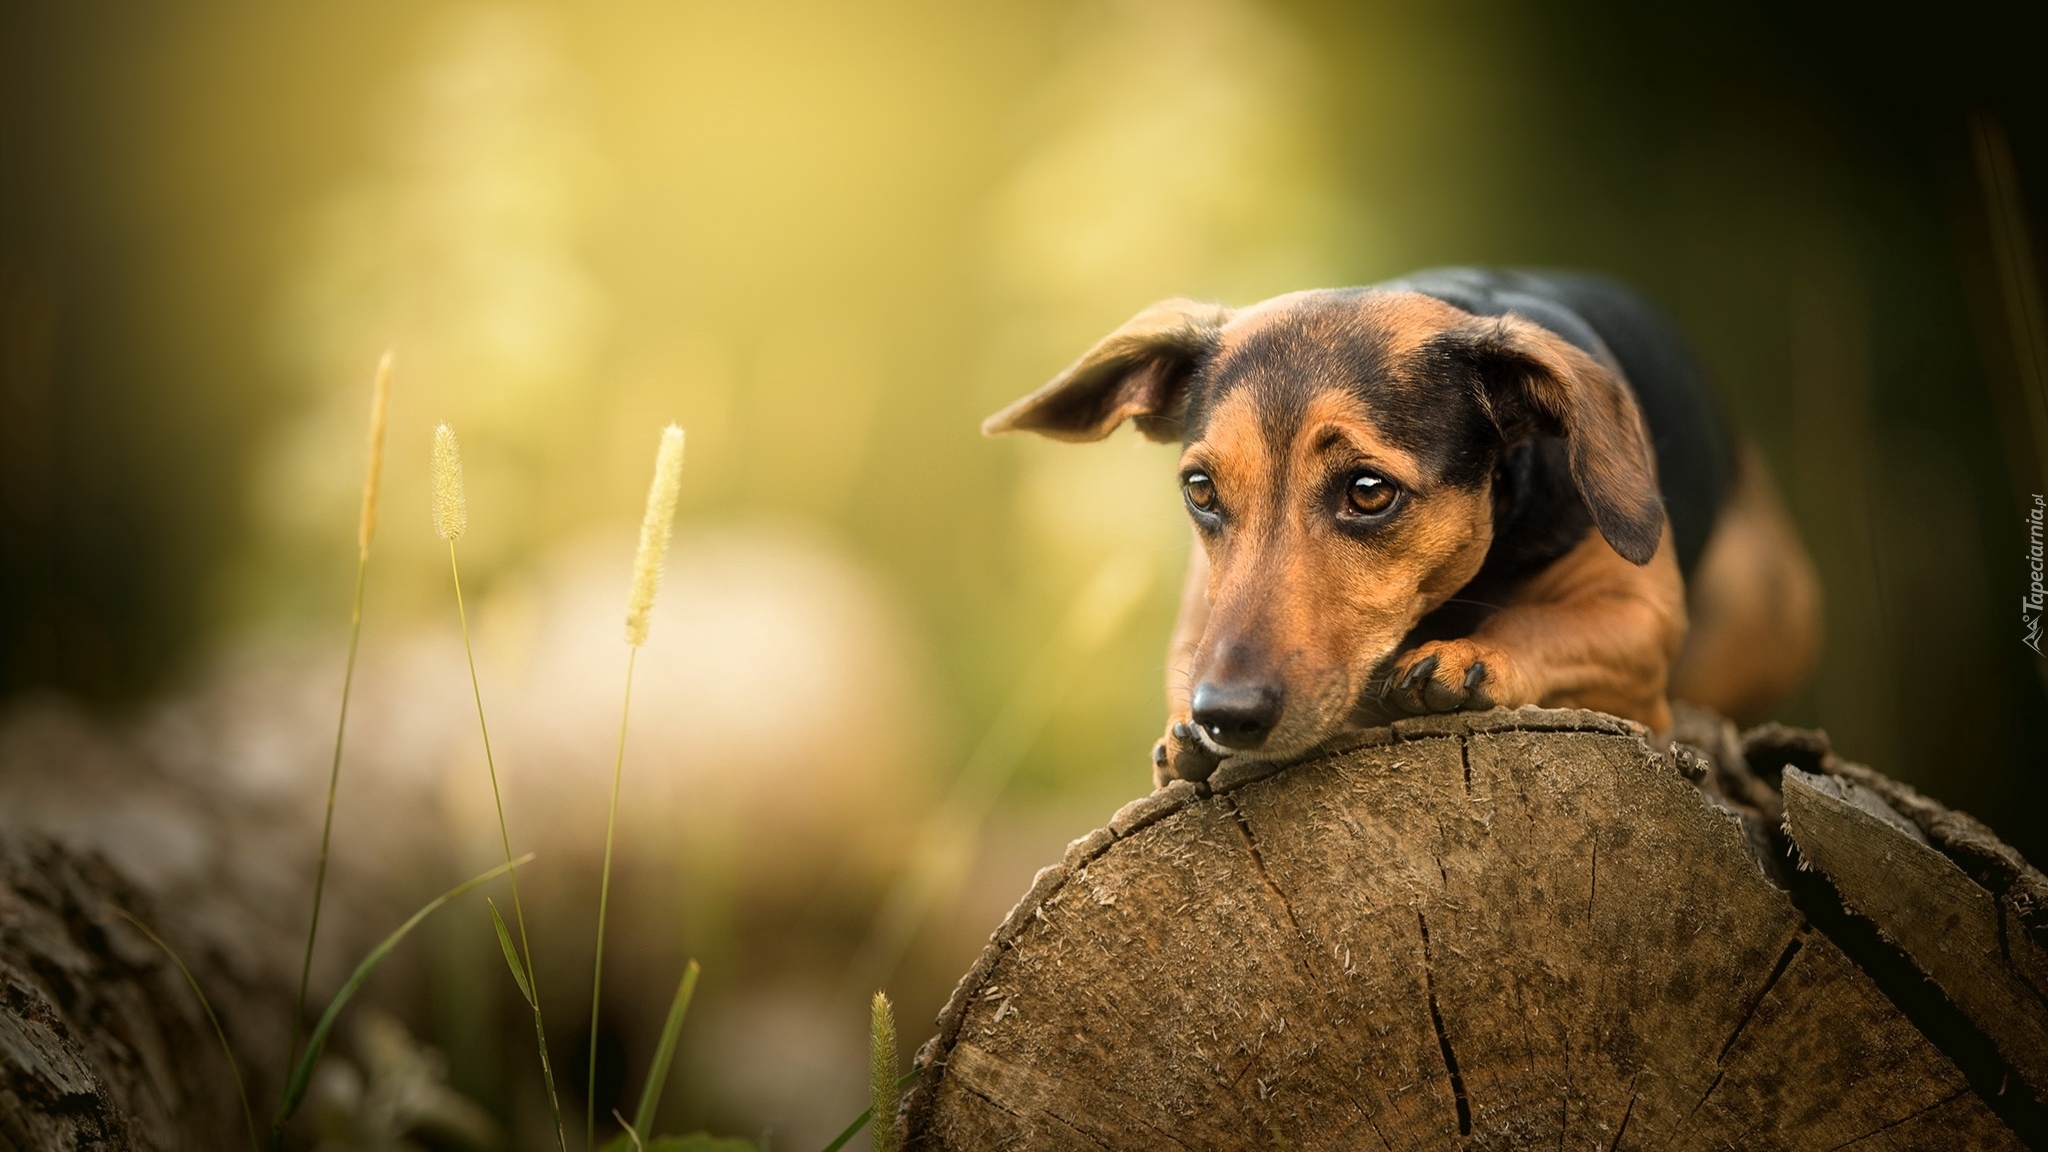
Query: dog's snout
[{"x": 1237, "y": 714}]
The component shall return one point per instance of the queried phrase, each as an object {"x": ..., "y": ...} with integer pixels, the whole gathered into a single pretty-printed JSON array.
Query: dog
[{"x": 1461, "y": 489}]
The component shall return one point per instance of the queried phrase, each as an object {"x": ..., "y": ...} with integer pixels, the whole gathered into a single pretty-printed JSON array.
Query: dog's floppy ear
[
  {"x": 1534, "y": 375},
  {"x": 1138, "y": 372}
]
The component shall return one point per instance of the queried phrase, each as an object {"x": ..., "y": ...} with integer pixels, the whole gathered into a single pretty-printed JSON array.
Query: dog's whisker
[{"x": 1475, "y": 603}]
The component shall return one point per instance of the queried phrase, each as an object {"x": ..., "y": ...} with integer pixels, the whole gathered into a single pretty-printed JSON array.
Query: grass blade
[
  {"x": 302, "y": 1073},
  {"x": 511, "y": 954},
  {"x": 861, "y": 1121},
  {"x": 248, "y": 1119},
  {"x": 657, "y": 1075}
]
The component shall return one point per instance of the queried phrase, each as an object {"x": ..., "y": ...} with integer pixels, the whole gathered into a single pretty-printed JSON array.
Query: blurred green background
[{"x": 829, "y": 238}]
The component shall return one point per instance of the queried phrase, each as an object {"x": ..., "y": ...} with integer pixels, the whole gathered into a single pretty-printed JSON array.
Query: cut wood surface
[
  {"x": 1515, "y": 929},
  {"x": 1967, "y": 939}
]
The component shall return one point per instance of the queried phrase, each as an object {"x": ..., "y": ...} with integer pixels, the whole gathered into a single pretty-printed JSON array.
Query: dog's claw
[
  {"x": 1182, "y": 755},
  {"x": 1422, "y": 670},
  {"x": 1475, "y": 674}
]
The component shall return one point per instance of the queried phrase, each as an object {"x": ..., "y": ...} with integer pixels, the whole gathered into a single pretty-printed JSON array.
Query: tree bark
[
  {"x": 1511, "y": 929},
  {"x": 102, "y": 1045}
]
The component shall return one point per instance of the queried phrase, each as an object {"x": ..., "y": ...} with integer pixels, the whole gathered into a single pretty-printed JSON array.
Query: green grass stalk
[
  {"x": 366, "y": 529},
  {"x": 451, "y": 519},
  {"x": 604, "y": 897},
  {"x": 205, "y": 1005},
  {"x": 656, "y": 524}
]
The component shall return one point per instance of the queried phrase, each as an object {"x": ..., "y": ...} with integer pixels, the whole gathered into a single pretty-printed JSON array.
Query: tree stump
[{"x": 1511, "y": 929}]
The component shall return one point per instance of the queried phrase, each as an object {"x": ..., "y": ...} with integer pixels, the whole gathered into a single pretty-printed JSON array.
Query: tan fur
[
  {"x": 1755, "y": 601},
  {"x": 1322, "y": 607},
  {"x": 1590, "y": 631},
  {"x": 1281, "y": 590}
]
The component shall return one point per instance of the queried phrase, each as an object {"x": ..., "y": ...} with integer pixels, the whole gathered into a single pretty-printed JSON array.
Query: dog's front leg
[
  {"x": 1590, "y": 631},
  {"x": 1180, "y": 754}
]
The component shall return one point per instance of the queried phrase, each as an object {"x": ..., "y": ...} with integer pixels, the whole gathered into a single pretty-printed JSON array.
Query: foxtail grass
[
  {"x": 882, "y": 1073},
  {"x": 206, "y": 1006},
  {"x": 451, "y": 520},
  {"x": 656, "y": 524},
  {"x": 366, "y": 529}
]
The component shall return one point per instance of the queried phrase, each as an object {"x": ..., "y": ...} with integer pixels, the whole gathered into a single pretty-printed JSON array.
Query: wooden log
[
  {"x": 1965, "y": 938},
  {"x": 102, "y": 1046},
  {"x": 1499, "y": 930}
]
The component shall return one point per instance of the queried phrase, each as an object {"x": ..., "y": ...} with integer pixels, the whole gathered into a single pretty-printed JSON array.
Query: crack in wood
[
  {"x": 991, "y": 1101},
  {"x": 1626, "y": 1112},
  {"x": 1702, "y": 1101},
  {"x": 1251, "y": 842},
  {"x": 1083, "y": 1133},
  {"x": 1593, "y": 889},
  {"x": 1465, "y": 758},
  {"x": 1923, "y": 1002},
  {"x": 1443, "y": 1038},
  {"x": 1363, "y": 1113},
  {"x": 1564, "y": 1100},
  {"x": 1756, "y": 1000},
  {"x": 1749, "y": 1009},
  {"x": 1154, "y": 1128},
  {"x": 1888, "y": 1126}
]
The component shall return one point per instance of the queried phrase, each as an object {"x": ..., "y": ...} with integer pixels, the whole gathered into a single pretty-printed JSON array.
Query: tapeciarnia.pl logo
[{"x": 2037, "y": 597}]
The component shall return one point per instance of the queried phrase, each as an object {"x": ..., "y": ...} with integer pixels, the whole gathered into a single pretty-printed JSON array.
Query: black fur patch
[
  {"x": 1695, "y": 454},
  {"x": 1429, "y": 409}
]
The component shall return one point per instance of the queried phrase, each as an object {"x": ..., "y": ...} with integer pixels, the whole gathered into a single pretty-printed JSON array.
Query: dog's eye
[
  {"x": 1201, "y": 491},
  {"x": 1371, "y": 494}
]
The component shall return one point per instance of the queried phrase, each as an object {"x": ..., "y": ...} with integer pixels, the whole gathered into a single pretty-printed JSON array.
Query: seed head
[
  {"x": 882, "y": 1073},
  {"x": 654, "y": 533},
  {"x": 451, "y": 507},
  {"x": 373, "y": 470}
]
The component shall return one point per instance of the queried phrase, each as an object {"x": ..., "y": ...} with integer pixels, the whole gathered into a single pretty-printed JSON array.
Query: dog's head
[{"x": 1338, "y": 458}]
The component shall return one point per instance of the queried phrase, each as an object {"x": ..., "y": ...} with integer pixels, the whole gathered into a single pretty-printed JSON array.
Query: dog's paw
[
  {"x": 1181, "y": 755},
  {"x": 1451, "y": 676}
]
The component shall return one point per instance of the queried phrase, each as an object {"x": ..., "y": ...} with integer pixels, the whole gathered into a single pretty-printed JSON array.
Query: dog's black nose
[{"x": 1238, "y": 714}]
